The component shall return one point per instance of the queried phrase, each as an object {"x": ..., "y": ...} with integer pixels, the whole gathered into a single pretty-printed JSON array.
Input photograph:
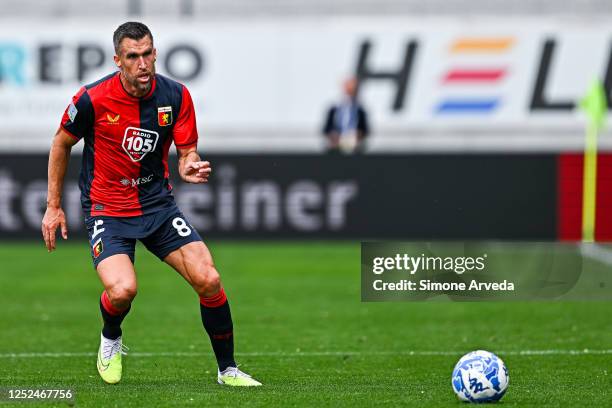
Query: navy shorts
[{"x": 161, "y": 233}]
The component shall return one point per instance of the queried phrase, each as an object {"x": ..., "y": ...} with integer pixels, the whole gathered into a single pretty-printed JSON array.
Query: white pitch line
[
  {"x": 597, "y": 252},
  {"x": 552, "y": 352}
]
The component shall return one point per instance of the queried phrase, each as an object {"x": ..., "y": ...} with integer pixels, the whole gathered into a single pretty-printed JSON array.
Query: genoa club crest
[
  {"x": 164, "y": 116},
  {"x": 97, "y": 248}
]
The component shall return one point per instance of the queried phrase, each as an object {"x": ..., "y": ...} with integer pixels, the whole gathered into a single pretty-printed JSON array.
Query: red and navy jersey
[{"x": 124, "y": 172}]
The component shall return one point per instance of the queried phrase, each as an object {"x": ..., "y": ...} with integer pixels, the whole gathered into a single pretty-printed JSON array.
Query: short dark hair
[{"x": 131, "y": 29}]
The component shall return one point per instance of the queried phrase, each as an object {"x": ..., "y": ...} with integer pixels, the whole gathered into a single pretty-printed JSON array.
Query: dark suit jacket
[{"x": 331, "y": 124}]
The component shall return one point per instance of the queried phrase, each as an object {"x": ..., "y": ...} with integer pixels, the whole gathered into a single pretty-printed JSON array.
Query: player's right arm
[
  {"x": 76, "y": 123},
  {"x": 58, "y": 163}
]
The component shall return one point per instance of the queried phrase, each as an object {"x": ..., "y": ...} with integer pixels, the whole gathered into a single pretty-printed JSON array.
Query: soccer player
[{"x": 127, "y": 121}]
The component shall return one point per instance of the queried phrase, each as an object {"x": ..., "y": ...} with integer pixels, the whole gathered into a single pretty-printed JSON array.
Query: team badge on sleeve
[
  {"x": 72, "y": 112},
  {"x": 164, "y": 115}
]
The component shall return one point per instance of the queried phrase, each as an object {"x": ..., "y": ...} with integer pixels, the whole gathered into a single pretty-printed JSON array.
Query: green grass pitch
[{"x": 300, "y": 328}]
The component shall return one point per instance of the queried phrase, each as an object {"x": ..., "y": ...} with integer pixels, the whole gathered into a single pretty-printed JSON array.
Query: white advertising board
[{"x": 264, "y": 85}]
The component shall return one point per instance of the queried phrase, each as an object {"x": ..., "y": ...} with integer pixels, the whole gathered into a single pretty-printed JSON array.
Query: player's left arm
[
  {"x": 185, "y": 134},
  {"x": 191, "y": 168}
]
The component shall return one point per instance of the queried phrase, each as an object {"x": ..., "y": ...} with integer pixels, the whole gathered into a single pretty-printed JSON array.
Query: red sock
[
  {"x": 217, "y": 321},
  {"x": 215, "y": 300},
  {"x": 112, "y": 317},
  {"x": 108, "y": 306}
]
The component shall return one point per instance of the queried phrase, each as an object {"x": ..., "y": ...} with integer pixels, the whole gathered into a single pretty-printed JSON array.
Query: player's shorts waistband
[{"x": 136, "y": 227}]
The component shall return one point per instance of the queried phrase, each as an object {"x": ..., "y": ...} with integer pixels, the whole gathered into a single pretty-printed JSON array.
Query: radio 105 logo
[{"x": 138, "y": 142}]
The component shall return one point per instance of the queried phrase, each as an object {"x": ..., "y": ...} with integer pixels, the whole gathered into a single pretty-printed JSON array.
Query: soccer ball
[{"x": 480, "y": 376}]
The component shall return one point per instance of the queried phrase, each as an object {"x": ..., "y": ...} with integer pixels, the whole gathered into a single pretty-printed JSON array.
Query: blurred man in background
[
  {"x": 128, "y": 121},
  {"x": 346, "y": 124}
]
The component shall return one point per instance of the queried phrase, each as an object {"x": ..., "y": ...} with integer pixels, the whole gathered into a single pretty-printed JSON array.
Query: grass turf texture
[{"x": 298, "y": 304}]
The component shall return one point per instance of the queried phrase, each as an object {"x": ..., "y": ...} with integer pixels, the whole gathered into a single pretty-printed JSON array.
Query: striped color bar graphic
[
  {"x": 482, "y": 45},
  {"x": 467, "y": 105},
  {"x": 474, "y": 75}
]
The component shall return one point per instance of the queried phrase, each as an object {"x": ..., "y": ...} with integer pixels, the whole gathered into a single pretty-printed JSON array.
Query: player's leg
[
  {"x": 178, "y": 244},
  {"x": 119, "y": 280},
  {"x": 194, "y": 262},
  {"x": 113, "y": 258}
]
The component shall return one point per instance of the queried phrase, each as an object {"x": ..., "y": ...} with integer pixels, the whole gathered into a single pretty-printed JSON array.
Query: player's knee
[
  {"x": 208, "y": 281},
  {"x": 122, "y": 295}
]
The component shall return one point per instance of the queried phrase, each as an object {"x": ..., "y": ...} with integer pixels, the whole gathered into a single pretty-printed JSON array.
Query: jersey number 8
[{"x": 181, "y": 227}]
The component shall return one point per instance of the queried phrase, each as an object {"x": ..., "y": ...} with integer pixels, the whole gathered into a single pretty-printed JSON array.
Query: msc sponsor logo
[
  {"x": 136, "y": 182},
  {"x": 138, "y": 142}
]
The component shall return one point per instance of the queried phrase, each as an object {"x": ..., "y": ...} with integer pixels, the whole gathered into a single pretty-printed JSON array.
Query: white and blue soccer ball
[{"x": 480, "y": 376}]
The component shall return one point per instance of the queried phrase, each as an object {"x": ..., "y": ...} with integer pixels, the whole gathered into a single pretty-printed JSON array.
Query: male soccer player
[{"x": 127, "y": 121}]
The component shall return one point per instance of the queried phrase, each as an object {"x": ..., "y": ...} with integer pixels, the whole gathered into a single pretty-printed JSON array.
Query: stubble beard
[{"x": 140, "y": 87}]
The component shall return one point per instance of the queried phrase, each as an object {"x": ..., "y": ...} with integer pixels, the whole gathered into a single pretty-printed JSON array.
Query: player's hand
[
  {"x": 54, "y": 217},
  {"x": 197, "y": 172}
]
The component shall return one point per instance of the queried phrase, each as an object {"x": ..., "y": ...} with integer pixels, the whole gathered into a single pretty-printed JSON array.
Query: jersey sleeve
[
  {"x": 185, "y": 131},
  {"x": 78, "y": 116}
]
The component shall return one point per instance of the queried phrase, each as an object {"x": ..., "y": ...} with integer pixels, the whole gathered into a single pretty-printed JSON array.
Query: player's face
[{"x": 136, "y": 60}]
